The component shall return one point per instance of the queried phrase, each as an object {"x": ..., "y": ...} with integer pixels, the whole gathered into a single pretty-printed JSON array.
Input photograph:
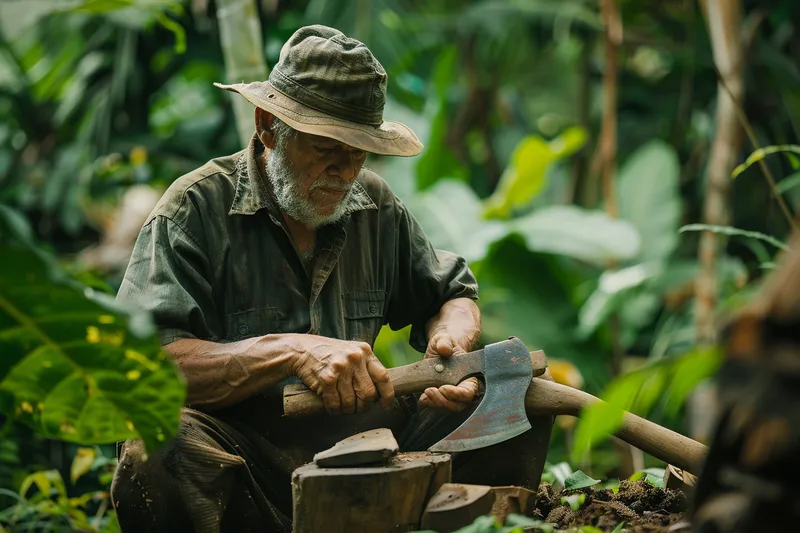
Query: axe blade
[{"x": 508, "y": 371}]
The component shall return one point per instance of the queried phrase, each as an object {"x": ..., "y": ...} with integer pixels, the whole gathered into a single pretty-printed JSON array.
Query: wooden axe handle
[
  {"x": 298, "y": 400},
  {"x": 550, "y": 398}
]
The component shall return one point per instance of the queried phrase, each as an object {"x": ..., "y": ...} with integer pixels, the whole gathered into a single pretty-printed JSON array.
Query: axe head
[{"x": 507, "y": 369}]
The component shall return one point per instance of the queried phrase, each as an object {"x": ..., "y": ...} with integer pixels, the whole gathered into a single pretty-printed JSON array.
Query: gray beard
[{"x": 291, "y": 199}]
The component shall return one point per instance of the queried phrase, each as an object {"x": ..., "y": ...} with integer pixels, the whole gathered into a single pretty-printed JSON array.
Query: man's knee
[{"x": 146, "y": 489}]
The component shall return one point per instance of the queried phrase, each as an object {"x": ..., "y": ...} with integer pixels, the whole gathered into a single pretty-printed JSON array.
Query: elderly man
[{"x": 281, "y": 263}]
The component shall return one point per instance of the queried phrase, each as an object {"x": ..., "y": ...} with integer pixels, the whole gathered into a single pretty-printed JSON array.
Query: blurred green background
[{"x": 105, "y": 102}]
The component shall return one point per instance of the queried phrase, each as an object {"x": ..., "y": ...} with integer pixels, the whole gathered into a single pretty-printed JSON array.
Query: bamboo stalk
[
  {"x": 243, "y": 51},
  {"x": 724, "y": 19}
]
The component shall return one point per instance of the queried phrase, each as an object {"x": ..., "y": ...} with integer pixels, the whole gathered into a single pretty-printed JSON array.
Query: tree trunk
[{"x": 243, "y": 50}]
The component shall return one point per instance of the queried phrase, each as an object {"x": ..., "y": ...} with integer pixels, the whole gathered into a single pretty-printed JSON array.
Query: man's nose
[{"x": 345, "y": 166}]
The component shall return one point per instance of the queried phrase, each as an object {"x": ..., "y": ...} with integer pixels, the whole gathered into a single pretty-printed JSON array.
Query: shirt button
[
  {"x": 243, "y": 329},
  {"x": 373, "y": 308}
]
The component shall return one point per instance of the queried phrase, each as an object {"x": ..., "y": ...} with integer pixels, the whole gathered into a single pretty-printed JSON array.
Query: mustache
[{"x": 336, "y": 185}]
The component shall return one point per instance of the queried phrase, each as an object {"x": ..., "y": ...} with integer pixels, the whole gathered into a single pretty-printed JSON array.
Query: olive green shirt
[{"x": 214, "y": 261}]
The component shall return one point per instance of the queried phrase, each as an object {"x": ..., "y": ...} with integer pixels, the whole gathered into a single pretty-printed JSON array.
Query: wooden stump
[
  {"x": 457, "y": 505},
  {"x": 389, "y": 497}
]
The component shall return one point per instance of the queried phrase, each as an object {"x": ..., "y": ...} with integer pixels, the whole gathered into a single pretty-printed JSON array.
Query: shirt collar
[{"x": 252, "y": 194}]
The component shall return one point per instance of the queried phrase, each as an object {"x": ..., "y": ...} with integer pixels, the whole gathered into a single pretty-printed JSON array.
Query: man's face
[{"x": 312, "y": 176}]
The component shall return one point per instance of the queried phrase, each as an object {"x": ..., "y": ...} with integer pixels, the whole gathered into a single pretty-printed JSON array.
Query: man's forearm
[
  {"x": 219, "y": 375},
  {"x": 459, "y": 318}
]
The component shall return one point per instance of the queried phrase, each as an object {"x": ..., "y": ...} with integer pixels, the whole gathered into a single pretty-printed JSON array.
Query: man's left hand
[{"x": 452, "y": 332}]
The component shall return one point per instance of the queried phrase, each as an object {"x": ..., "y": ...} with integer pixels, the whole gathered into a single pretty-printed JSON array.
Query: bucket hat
[{"x": 331, "y": 85}]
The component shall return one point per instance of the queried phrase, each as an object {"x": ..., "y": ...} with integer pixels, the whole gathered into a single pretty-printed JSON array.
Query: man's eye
[
  {"x": 358, "y": 154},
  {"x": 322, "y": 150}
]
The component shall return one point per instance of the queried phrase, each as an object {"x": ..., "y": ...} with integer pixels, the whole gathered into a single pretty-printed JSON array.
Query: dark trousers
[{"x": 232, "y": 473}]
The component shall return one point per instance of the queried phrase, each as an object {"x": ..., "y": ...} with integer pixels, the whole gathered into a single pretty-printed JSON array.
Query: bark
[
  {"x": 724, "y": 19},
  {"x": 243, "y": 51}
]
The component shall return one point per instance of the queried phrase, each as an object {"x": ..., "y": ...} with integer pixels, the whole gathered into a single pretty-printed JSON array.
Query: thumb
[{"x": 441, "y": 345}]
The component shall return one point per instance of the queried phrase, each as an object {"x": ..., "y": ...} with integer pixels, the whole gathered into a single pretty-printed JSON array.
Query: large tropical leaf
[
  {"x": 450, "y": 214},
  {"x": 77, "y": 367},
  {"x": 649, "y": 197},
  {"x": 526, "y": 174},
  {"x": 590, "y": 236}
]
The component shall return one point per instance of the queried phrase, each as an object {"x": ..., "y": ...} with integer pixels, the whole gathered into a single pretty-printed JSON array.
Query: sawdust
[{"x": 643, "y": 508}]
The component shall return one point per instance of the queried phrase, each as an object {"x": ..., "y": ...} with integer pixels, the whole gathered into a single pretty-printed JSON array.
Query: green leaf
[
  {"x": 75, "y": 364},
  {"x": 688, "y": 371},
  {"x": 14, "y": 227},
  {"x": 112, "y": 524},
  {"x": 560, "y": 471},
  {"x": 579, "y": 480},
  {"x": 100, "y": 6},
  {"x": 761, "y": 153},
  {"x": 590, "y": 529},
  {"x": 613, "y": 290},
  {"x": 46, "y": 481},
  {"x": 653, "y": 476},
  {"x": 612, "y": 484},
  {"x": 177, "y": 31},
  {"x": 735, "y": 232},
  {"x": 590, "y": 236},
  {"x": 82, "y": 463},
  {"x": 575, "y": 501},
  {"x": 482, "y": 524},
  {"x": 619, "y": 527},
  {"x": 526, "y": 522},
  {"x": 788, "y": 183},
  {"x": 526, "y": 174},
  {"x": 449, "y": 212},
  {"x": 648, "y": 196}
]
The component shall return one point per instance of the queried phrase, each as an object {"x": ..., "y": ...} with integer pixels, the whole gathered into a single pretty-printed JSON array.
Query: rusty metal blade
[{"x": 500, "y": 416}]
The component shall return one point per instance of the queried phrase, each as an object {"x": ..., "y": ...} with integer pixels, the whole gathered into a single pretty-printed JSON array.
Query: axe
[{"x": 514, "y": 390}]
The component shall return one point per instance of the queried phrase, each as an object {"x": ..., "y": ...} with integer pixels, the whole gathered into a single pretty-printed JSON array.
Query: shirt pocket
[
  {"x": 254, "y": 323},
  {"x": 363, "y": 314}
]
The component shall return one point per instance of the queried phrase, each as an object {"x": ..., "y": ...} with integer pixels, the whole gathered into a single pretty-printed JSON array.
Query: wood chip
[{"x": 374, "y": 446}]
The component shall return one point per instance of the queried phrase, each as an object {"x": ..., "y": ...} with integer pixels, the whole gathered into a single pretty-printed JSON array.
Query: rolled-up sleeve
[
  {"x": 168, "y": 275},
  {"x": 425, "y": 279}
]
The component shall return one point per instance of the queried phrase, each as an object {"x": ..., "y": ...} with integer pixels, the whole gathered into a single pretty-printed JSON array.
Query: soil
[{"x": 643, "y": 507}]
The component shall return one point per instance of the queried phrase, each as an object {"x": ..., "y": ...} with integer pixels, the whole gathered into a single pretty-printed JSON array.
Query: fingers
[
  {"x": 450, "y": 397},
  {"x": 380, "y": 377},
  {"x": 364, "y": 389},
  {"x": 347, "y": 395},
  {"x": 445, "y": 345}
]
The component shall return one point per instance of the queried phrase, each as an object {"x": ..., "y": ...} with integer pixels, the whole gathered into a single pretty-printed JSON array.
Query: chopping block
[{"x": 385, "y": 495}]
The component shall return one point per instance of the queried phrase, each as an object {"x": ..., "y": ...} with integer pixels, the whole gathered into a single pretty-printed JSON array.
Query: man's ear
[{"x": 264, "y": 120}]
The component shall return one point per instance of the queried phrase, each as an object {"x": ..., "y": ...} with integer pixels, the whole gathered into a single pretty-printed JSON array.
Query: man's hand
[
  {"x": 452, "y": 332},
  {"x": 346, "y": 374}
]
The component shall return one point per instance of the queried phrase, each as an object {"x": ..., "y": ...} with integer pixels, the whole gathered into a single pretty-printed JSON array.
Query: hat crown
[{"x": 328, "y": 71}]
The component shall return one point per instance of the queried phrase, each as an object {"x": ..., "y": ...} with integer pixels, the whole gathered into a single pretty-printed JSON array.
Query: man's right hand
[{"x": 346, "y": 374}]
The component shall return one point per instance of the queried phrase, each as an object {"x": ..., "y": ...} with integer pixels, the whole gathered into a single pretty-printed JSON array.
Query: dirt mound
[{"x": 643, "y": 508}]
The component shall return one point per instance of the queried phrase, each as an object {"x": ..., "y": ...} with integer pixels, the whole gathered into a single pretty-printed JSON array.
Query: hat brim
[{"x": 388, "y": 138}]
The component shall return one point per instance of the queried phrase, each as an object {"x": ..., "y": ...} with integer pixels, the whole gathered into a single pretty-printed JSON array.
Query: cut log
[
  {"x": 388, "y": 497},
  {"x": 373, "y": 446},
  {"x": 509, "y": 500},
  {"x": 457, "y": 505}
]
